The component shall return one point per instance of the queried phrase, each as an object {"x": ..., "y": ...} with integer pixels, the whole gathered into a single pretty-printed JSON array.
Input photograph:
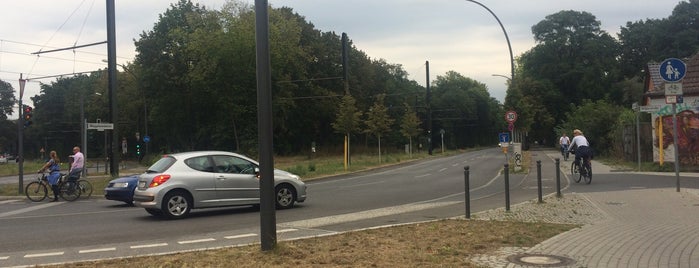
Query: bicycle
[
  {"x": 579, "y": 172},
  {"x": 85, "y": 188},
  {"x": 37, "y": 190},
  {"x": 564, "y": 151}
]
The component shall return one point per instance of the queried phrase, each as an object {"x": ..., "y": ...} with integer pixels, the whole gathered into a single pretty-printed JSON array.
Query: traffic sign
[
  {"x": 146, "y": 138},
  {"x": 510, "y": 116},
  {"x": 504, "y": 137},
  {"x": 672, "y": 99},
  {"x": 673, "y": 89},
  {"x": 100, "y": 126},
  {"x": 510, "y": 126},
  {"x": 672, "y": 69}
]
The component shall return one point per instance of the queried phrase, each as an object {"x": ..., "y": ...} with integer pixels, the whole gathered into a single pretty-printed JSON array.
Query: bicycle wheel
[
  {"x": 575, "y": 170},
  {"x": 85, "y": 188},
  {"x": 588, "y": 173},
  {"x": 36, "y": 191},
  {"x": 69, "y": 191}
]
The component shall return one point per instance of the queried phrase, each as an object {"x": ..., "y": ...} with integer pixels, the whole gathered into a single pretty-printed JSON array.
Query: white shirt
[
  {"x": 579, "y": 140},
  {"x": 565, "y": 140}
]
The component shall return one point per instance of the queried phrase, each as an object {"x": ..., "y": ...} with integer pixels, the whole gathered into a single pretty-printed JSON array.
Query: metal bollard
[
  {"x": 468, "y": 192},
  {"x": 507, "y": 187},
  {"x": 538, "y": 180},
  {"x": 558, "y": 177}
]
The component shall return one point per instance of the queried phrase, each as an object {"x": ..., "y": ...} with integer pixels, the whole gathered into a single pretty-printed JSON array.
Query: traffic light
[
  {"x": 27, "y": 115},
  {"x": 138, "y": 152}
]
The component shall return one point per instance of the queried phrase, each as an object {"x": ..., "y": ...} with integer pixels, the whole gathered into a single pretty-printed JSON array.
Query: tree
[
  {"x": 347, "y": 119},
  {"x": 378, "y": 121},
  {"x": 7, "y": 99},
  {"x": 410, "y": 126}
]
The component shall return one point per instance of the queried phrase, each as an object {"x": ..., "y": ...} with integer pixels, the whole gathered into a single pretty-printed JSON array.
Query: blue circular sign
[
  {"x": 672, "y": 70},
  {"x": 146, "y": 139}
]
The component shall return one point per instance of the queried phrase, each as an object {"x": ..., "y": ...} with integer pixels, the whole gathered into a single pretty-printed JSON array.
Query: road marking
[
  {"x": 43, "y": 254},
  {"x": 4, "y": 257},
  {"x": 423, "y": 175},
  {"x": 443, "y": 169},
  {"x": 374, "y": 213},
  {"x": 32, "y": 208},
  {"x": 149, "y": 245},
  {"x": 286, "y": 231},
  {"x": 7, "y": 201},
  {"x": 196, "y": 241},
  {"x": 239, "y": 236},
  {"x": 96, "y": 250}
]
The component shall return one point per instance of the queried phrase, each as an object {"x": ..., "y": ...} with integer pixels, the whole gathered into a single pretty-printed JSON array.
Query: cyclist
[
  {"x": 53, "y": 165},
  {"x": 582, "y": 147},
  {"x": 564, "y": 141}
]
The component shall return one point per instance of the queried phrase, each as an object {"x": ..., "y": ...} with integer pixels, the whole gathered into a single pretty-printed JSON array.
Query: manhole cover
[{"x": 540, "y": 260}]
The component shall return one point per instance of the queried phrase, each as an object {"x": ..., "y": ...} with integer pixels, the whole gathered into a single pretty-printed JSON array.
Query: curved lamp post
[{"x": 512, "y": 62}]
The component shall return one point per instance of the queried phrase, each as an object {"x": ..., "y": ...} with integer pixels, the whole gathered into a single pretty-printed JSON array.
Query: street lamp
[
  {"x": 512, "y": 61},
  {"x": 504, "y": 76}
]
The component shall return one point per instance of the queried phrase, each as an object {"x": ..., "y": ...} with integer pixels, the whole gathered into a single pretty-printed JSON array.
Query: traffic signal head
[
  {"x": 138, "y": 149},
  {"x": 27, "y": 115}
]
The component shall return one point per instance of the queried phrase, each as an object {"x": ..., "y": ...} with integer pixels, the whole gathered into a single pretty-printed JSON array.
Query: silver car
[{"x": 178, "y": 183}]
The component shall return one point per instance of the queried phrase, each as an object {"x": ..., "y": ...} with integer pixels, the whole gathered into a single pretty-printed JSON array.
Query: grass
[{"x": 441, "y": 243}]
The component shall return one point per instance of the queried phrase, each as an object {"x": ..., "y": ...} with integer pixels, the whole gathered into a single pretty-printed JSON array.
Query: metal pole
[
  {"x": 558, "y": 177},
  {"x": 507, "y": 187},
  {"x": 268, "y": 226},
  {"x": 638, "y": 140},
  {"x": 677, "y": 154},
  {"x": 538, "y": 180},
  {"x": 467, "y": 191},
  {"x": 20, "y": 134},
  {"x": 112, "y": 79}
]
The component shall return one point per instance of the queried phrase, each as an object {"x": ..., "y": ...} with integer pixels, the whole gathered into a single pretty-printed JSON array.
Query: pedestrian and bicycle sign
[{"x": 672, "y": 70}]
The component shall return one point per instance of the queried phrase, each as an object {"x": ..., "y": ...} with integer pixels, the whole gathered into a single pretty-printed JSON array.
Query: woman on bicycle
[
  {"x": 582, "y": 147},
  {"x": 54, "y": 168}
]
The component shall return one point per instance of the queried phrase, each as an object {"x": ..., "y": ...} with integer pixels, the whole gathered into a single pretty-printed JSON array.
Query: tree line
[{"x": 192, "y": 86}]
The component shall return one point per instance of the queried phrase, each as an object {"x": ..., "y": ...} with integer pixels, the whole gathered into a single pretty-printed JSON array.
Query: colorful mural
[{"x": 687, "y": 133}]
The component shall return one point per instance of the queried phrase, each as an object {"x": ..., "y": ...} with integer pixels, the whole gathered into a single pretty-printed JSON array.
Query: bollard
[
  {"x": 538, "y": 180},
  {"x": 468, "y": 192},
  {"x": 507, "y": 187},
  {"x": 558, "y": 178}
]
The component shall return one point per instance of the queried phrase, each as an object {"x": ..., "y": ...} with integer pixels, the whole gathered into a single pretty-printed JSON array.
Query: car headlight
[{"x": 120, "y": 185}]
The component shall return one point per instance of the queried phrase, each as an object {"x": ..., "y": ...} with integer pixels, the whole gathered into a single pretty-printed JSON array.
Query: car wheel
[
  {"x": 176, "y": 205},
  {"x": 285, "y": 196},
  {"x": 154, "y": 212}
]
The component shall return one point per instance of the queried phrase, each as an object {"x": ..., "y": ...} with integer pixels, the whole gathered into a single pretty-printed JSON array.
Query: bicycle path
[{"x": 628, "y": 218}]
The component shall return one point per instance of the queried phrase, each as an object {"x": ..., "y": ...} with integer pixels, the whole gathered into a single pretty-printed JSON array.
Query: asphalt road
[{"x": 43, "y": 233}]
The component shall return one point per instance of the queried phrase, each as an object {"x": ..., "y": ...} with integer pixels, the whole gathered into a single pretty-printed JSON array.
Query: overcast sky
[{"x": 453, "y": 35}]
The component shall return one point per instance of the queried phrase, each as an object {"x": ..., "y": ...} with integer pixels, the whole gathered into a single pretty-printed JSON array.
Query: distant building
[{"x": 687, "y": 115}]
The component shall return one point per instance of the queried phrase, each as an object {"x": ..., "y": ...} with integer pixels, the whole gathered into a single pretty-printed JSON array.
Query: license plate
[{"x": 141, "y": 184}]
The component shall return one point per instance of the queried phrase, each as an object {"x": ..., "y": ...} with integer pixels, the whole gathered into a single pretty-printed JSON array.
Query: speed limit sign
[{"x": 510, "y": 116}]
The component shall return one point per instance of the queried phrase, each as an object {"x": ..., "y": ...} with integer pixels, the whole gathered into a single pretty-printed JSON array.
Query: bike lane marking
[{"x": 32, "y": 208}]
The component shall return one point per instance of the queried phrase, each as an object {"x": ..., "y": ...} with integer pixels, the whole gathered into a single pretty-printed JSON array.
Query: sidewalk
[{"x": 631, "y": 226}]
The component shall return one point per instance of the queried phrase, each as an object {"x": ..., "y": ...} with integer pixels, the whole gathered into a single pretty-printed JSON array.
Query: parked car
[
  {"x": 178, "y": 183},
  {"x": 121, "y": 189},
  {"x": 3, "y": 159}
]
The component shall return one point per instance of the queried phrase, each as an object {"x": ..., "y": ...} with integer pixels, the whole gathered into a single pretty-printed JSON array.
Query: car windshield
[{"x": 162, "y": 165}]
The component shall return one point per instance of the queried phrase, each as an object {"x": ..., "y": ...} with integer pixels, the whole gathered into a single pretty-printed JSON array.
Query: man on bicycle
[
  {"x": 77, "y": 166},
  {"x": 564, "y": 141},
  {"x": 582, "y": 147}
]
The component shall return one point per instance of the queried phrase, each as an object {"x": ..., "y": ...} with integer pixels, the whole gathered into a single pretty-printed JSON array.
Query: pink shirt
[{"x": 78, "y": 161}]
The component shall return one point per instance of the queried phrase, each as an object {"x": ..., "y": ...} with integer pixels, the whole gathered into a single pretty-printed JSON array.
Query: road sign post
[{"x": 672, "y": 70}]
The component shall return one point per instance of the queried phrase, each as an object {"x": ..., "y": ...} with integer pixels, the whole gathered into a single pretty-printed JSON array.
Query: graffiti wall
[{"x": 687, "y": 131}]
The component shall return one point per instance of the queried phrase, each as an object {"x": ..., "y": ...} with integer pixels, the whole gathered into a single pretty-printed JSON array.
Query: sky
[{"x": 452, "y": 35}]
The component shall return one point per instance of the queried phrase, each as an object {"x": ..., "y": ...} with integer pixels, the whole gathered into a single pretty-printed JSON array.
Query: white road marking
[
  {"x": 43, "y": 254},
  {"x": 4, "y": 257},
  {"x": 239, "y": 236},
  {"x": 149, "y": 245},
  {"x": 286, "y": 230},
  {"x": 423, "y": 175},
  {"x": 443, "y": 169},
  {"x": 32, "y": 208},
  {"x": 96, "y": 250},
  {"x": 374, "y": 213},
  {"x": 8, "y": 201},
  {"x": 196, "y": 241}
]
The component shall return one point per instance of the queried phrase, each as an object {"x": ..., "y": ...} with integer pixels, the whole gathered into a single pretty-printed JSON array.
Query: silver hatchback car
[{"x": 178, "y": 183}]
